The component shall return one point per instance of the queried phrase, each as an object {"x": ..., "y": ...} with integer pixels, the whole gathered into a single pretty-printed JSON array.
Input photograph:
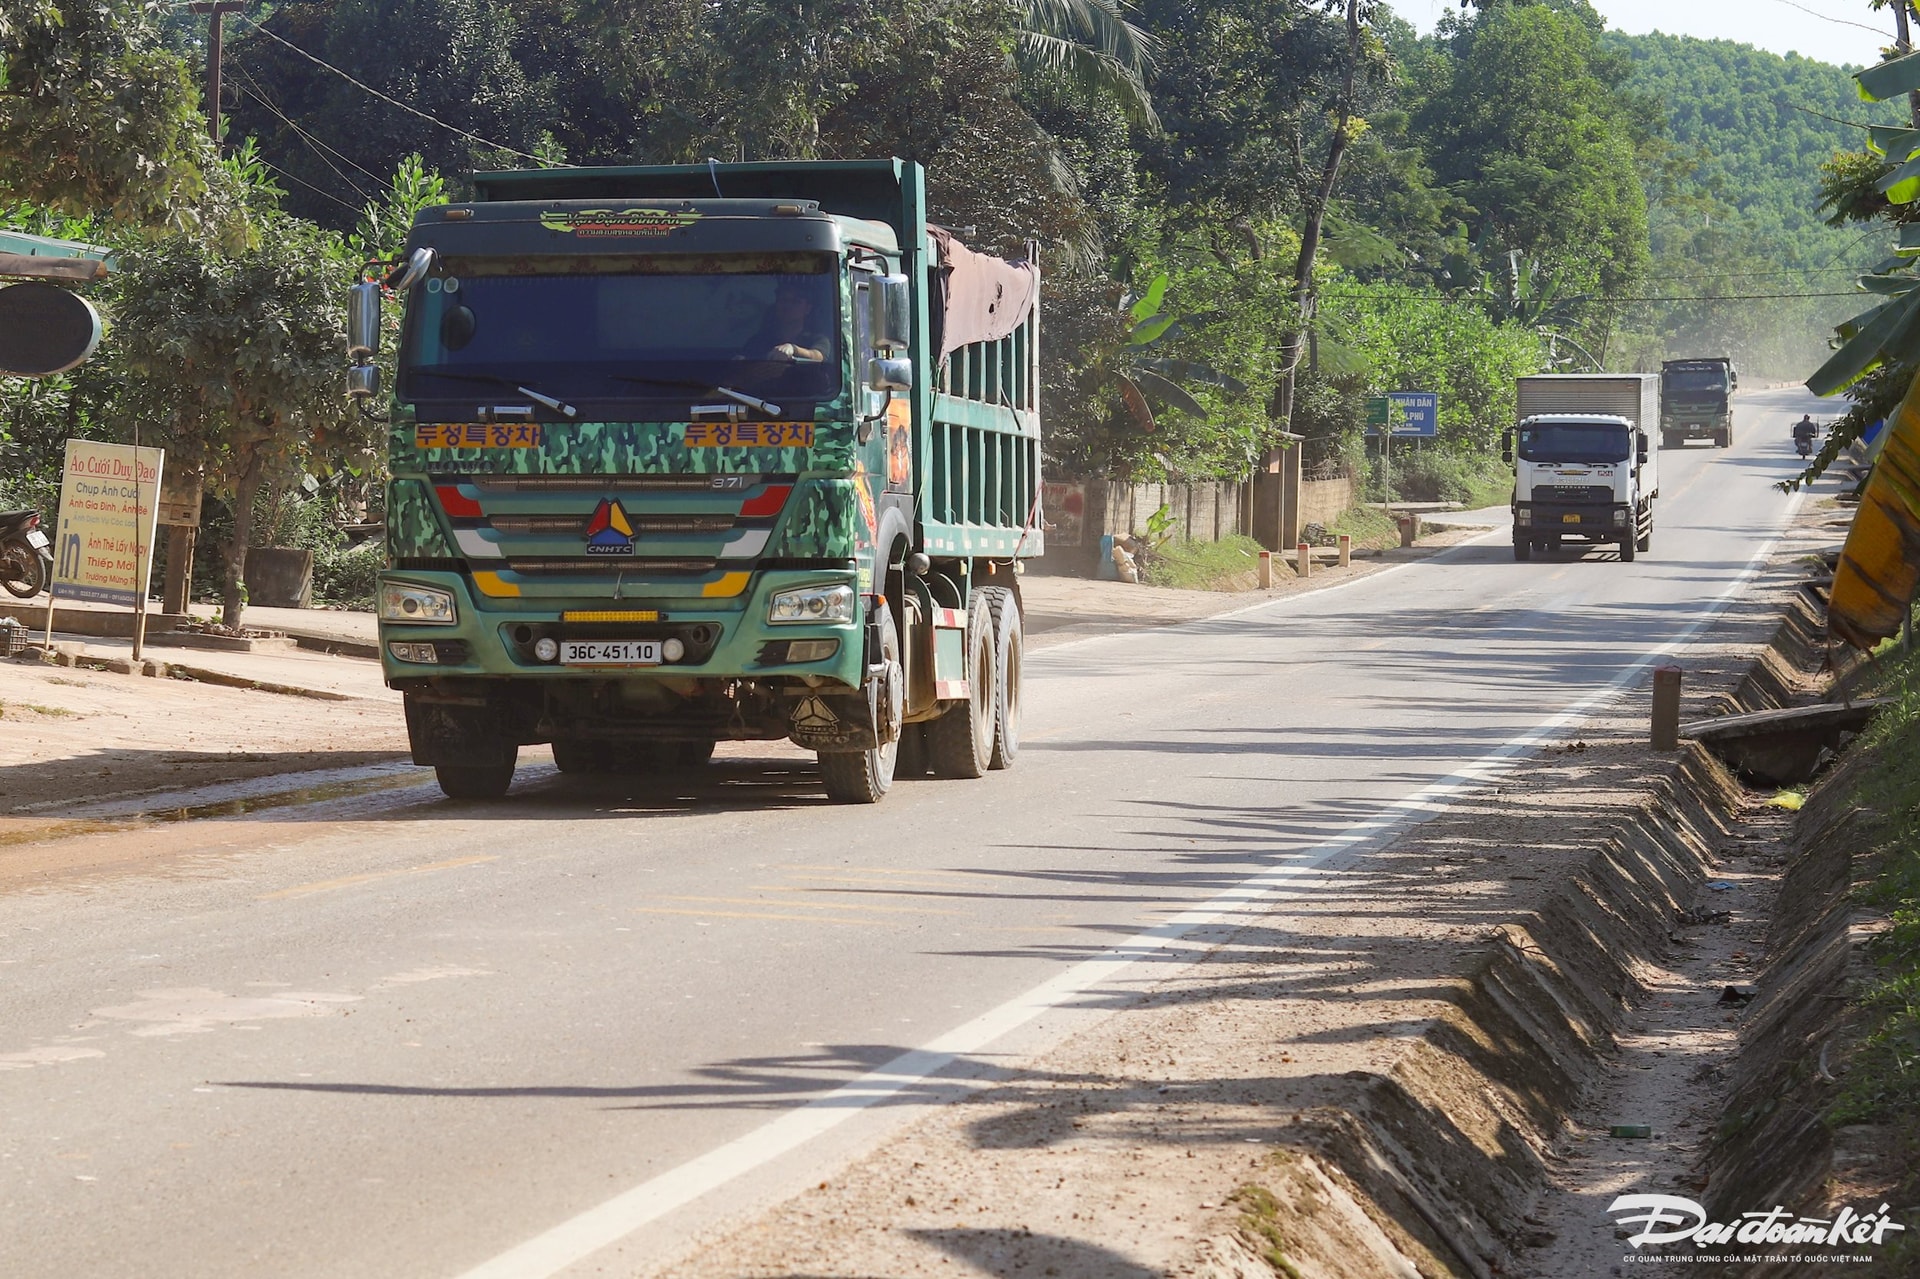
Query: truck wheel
[
  {"x": 1723, "y": 439},
  {"x": 961, "y": 740},
  {"x": 1626, "y": 549},
  {"x": 864, "y": 777},
  {"x": 1645, "y": 541},
  {"x": 1522, "y": 549},
  {"x": 912, "y": 761},
  {"x": 1008, "y": 640},
  {"x": 578, "y": 755},
  {"x": 692, "y": 754},
  {"x": 1669, "y": 442},
  {"x": 470, "y": 782}
]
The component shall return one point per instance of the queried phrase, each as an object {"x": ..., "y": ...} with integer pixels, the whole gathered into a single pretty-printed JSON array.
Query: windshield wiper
[
  {"x": 705, "y": 388},
  {"x": 558, "y": 406}
]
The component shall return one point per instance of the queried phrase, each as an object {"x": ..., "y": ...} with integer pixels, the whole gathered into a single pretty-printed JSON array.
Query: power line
[
  {"x": 451, "y": 128},
  {"x": 1827, "y": 17},
  {"x": 311, "y": 138},
  {"x": 320, "y": 191},
  {"x": 302, "y": 134},
  {"x": 1611, "y": 301}
]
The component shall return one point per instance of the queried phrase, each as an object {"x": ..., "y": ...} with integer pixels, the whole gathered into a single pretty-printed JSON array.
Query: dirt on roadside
[{"x": 70, "y": 735}]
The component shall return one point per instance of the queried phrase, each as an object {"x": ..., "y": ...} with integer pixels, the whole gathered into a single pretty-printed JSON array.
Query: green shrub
[{"x": 346, "y": 577}]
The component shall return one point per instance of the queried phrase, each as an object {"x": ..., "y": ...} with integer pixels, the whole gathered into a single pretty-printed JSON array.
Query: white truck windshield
[{"x": 1597, "y": 443}]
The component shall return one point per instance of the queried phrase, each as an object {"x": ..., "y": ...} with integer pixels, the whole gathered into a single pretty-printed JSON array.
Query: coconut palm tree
[{"x": 1090, "y": 44}]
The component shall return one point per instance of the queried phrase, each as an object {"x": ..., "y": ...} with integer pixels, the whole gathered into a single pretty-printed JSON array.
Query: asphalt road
[{"x": 385, "y": 1035}]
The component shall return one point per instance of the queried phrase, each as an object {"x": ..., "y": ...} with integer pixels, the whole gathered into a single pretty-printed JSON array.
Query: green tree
[
  {"x": 1530, "y": 128},
  {"x": 97, "y": 115},
  {"x": 234, "y": 360}
]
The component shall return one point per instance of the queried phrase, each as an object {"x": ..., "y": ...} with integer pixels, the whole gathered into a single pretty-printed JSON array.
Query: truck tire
[
  {"x": 1522, "y": 549},
  {"x": 580, "y": 755},
  {"x": 1645, "y": 541},
  {"x": 1008, "y": 640},
  {"x": 961, "y": 740},
  {"x": 1669, "y": 440},
  {"x": 1627, "y": 548},
  {"x": 692, "y": 754},
  {"x": 864, "y": 777},
  {"x": 1723, "y": 439},
  {"x": 473, "y": 782},
  {"x": 911, "y": 761}
]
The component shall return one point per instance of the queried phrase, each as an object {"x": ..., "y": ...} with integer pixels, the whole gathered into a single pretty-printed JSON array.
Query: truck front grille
[
  {"x": 610, "y": 565},
  {"x": 1572, "y": 493}
]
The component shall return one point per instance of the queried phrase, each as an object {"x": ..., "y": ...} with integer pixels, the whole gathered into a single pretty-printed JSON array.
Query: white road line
[{"x": 551, "y": 1252}]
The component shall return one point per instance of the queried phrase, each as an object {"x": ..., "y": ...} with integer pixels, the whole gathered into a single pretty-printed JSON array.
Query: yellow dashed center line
[{"x": 352, "y": 881}]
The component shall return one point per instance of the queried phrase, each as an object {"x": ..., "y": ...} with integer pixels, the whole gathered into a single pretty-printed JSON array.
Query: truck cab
[{"x": 1582, "y": 477}]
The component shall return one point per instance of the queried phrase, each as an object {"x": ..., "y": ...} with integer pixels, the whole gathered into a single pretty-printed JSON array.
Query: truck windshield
[
  {"x": 628, "y": 327},
  {"x": 1595, "y": 442},
  {"x": 1697, "y": 381}
]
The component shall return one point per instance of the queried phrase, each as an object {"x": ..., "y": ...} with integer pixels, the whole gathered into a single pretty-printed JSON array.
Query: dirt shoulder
[{"x": 1385, "y": 1089}]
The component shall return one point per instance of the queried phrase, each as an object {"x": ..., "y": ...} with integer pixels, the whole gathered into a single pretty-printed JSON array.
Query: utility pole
[
  {"x": 216, "y": 11},
  {"x": 177, "y": 594}
]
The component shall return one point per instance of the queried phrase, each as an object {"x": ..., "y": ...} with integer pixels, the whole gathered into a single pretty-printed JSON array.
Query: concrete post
[
  {"x": 1409, "y": 529},
  {"x": 1666, "y": 708},
  {"x": 1266, "y": 570},
  {"x": 1275, "y": 497},
  {"x": 1304, "y": 565},
  {"x": 1346, "y": 549}
]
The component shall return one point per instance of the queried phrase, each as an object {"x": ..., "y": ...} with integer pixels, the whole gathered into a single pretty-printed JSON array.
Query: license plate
[
  {"x": 610, "y": 652},
  {"x": 1569, "y": 519},
  {"x": 36, "y": 538}
]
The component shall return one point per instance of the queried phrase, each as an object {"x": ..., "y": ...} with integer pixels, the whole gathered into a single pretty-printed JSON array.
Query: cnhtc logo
[{"x": 609, "y": 532}]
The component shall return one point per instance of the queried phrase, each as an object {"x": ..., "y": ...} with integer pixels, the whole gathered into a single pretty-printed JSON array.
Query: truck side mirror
[
  {"x": 890, "y": 313},
  {"x": 363, "y": 381},
  {"x": 1506, "y": 447},
  {"x": 890, "y": 375},
  {"x": 363, "y": 321},
  {"x": 1640, "y": 453}
]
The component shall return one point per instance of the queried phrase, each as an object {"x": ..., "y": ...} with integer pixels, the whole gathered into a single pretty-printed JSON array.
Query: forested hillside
[{"x": 1734, "y": 197}]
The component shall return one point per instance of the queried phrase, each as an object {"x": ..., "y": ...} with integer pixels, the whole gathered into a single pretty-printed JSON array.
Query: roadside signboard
[
  {"x": 1415, "y": 414},
  {"x": 109, "y": 505},
  {"x": 1066, "y": 513}
]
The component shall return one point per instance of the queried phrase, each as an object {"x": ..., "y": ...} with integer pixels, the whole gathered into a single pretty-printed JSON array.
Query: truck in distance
[
  {"x": 1582, "y": 468},
  {"x": 1696, "y": 401},
  {"x": 689, "y": 454}
]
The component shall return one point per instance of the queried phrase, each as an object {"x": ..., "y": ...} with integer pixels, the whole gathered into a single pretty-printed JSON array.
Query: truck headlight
[
  {"x": 1524, "y": 515},
  {"x": 812, "y": 604},
  {"x": 1619, "y": 517},
  {"x": 416, "y": 605}
]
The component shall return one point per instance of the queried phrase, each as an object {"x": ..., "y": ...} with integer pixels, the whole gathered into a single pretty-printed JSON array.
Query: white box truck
[{"x": 1582, "y": 467}]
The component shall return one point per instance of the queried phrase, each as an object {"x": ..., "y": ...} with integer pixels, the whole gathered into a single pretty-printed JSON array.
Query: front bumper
[
  {"x": 1560, "y": 519},
  {"x": 723, "y": 638}
]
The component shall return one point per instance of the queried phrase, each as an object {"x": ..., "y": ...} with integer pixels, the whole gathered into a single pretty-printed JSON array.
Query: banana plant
[
  {"x": 1149, "y": 380},
  {"x": 1878, "y": 574}
]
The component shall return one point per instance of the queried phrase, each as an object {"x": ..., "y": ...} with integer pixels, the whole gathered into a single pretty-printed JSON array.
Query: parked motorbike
[{"x": 26, "y": 556}]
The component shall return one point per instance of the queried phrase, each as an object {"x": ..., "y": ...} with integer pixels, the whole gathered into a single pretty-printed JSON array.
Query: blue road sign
[{"x": 1420, "y": 413}]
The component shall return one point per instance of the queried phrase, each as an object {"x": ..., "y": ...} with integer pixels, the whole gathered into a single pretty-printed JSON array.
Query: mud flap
[
  {"x": 458, "y": 736},
  {"x": 846, "y": 721}
]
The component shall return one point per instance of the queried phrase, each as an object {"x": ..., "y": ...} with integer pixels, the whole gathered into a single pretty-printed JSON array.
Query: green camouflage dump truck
[{"x": 683, "y": 455}]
